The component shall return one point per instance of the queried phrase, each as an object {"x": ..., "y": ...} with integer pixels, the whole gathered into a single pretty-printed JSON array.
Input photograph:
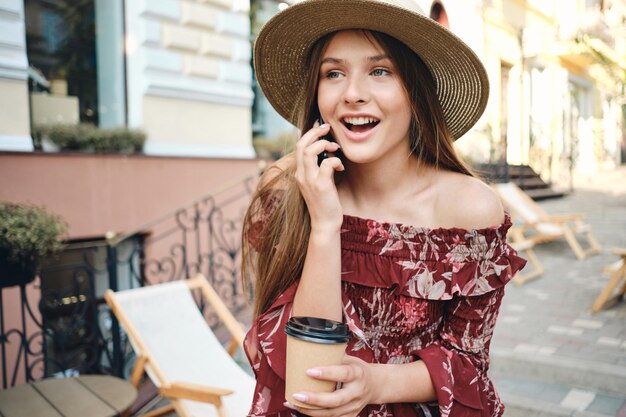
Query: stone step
[
  {"x": 524, "y": 176},
  {"x": 530, "y": 398},
  {"x": 587, "y": 374},
  {"x": 530, "y": 183},
  {"x": 543, "y": 193}
]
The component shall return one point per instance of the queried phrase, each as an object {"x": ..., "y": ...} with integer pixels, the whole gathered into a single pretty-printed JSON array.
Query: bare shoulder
[{"x": 468, "y": 203}]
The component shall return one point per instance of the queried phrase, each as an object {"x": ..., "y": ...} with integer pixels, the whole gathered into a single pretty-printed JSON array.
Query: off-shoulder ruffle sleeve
[
  {"x": 458, "y": 361},
  {"x": 265, "y": 346},
  {"x": 433, "y": 264}
]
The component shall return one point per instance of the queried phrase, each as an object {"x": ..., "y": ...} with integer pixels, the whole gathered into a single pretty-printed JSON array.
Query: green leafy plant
[
  {"x": 87, "y": 137},
  {"x": 120, "y": 140},
  {"x": 70, "y": 137},
  {"x": 28, "y": 234}
]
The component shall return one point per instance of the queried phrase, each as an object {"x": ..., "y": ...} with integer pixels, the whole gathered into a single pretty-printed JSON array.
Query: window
[
  {"x": 76, "y": 61},
  {"x": 61, "y": 48}
]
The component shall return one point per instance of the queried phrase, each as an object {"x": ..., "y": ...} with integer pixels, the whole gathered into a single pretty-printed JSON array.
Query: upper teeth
[{"x": 359, "y": 120}]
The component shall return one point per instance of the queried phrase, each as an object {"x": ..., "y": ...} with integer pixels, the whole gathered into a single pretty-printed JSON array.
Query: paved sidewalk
[{"x": 550, "y": 355}]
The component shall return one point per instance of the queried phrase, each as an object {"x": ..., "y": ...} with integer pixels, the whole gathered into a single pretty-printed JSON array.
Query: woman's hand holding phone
[
  {"x": 316, "y": 182},
  {"x": 325, "y": 154}
]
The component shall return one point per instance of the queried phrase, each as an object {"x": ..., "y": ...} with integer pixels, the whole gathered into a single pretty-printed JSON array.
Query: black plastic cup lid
[{"x": 316, "y": 330}]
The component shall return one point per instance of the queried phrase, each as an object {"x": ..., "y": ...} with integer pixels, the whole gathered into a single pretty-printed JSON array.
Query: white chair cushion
[
  {"x": 549, "y": 229},
  {"x": 183, "y": 345}
]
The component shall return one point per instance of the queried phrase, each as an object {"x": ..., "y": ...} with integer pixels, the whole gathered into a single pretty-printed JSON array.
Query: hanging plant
[{"x": 28, "y": 234}]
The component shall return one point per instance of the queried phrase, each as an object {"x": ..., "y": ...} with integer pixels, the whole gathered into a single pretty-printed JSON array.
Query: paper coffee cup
[{"x": 312, "y": 342}]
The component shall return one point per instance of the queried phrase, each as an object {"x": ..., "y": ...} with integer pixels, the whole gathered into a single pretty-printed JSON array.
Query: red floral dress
[{"x": 408, "y": 293}]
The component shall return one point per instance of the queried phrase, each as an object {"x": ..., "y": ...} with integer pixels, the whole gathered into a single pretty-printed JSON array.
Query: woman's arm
[
  {"x": 319, "y": 290},
  {"x": 403, "y": 383}
]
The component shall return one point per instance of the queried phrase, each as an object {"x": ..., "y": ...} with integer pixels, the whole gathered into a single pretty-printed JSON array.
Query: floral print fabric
[{"x": 408, "y": 294}]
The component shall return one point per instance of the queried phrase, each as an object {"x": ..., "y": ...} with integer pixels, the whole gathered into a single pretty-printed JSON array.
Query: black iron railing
[{"x": 70, "y": 330}]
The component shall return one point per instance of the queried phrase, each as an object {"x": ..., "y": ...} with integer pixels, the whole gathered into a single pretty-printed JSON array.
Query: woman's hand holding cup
[{"x": 355, "y": 378}]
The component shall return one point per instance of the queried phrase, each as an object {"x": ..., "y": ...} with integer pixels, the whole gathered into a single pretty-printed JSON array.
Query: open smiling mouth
[{"x": 360, "y": 124}]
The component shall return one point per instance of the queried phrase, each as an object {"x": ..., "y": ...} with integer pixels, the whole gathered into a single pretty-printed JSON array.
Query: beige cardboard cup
[{"x": 312, "y": 342}]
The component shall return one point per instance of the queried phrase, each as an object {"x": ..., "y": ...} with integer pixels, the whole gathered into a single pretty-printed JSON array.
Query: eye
[
  {"x": 332, "y": 74},
  {"x": 379, "y": 72}
]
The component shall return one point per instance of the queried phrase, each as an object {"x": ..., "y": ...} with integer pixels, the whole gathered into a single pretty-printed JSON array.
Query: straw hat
[{"x": 281, "y": 50}]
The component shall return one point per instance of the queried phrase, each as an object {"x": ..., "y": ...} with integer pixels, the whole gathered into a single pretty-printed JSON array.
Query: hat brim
[{"x": 281, "y": 50}]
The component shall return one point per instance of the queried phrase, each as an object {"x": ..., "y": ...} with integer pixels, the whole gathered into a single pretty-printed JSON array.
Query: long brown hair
[{"x": 277, "y": 224}]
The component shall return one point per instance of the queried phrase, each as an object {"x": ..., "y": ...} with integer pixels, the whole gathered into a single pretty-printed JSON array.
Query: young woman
[{"x": 391, "y": 233}]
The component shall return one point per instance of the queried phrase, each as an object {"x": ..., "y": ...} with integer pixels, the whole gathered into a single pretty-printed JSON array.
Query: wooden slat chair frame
[
  {"x": 540, "y": 227},
  {"x": 618, "y": 274},
  {"x": 176, "y": 391},
  {"x": 526, "y": 247}
]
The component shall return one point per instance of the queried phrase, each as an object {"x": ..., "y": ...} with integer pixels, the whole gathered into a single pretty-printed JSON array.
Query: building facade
[
  {"x": 179, "y": 70},
  {"x": 14, "y": 105},
  {"x": 557, "y": 77},
  {"x": 557, "y": 74}
]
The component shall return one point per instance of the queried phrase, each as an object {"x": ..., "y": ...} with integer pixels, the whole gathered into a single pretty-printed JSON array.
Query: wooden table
[{"x": 83, "y": 396}]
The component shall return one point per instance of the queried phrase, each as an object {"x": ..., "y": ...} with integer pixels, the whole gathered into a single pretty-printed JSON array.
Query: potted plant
[
  {"x": 86, "y": 137},
  {"x": 27, "y": 235}
]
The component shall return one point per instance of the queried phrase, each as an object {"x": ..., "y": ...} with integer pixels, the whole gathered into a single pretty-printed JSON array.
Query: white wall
[
  {"x": 14, "y": 113},
  {"x": 193, "y": 57}
]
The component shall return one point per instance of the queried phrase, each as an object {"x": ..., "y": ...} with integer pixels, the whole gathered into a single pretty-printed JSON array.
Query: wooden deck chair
[
  {"x": 526, "y": 247},
  {"x": 618, "y": 274},
  {"x": 177, "y": 349},
  {"x": 539, "y": 227}
]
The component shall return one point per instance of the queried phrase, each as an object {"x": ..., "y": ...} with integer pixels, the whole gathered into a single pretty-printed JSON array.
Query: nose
[{"x": 356, "y": 90}]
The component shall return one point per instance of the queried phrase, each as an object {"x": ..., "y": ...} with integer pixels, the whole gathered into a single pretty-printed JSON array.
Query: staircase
[{"x": 522, "y": 175}]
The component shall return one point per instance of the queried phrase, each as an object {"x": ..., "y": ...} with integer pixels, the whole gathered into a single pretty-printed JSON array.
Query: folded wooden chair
[
  {"x": 526, "y": 247},
  {"x": 178, "y": 350},
  {"x": 539, "y": 227},
  {"x": 618, "y": 274}
]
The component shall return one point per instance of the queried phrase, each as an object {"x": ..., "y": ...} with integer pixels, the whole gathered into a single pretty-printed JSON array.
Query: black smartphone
[{"x": 325, "y": 154}]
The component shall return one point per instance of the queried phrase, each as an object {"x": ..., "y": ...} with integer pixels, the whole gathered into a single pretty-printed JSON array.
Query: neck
[{"x": 379, "y": 185}]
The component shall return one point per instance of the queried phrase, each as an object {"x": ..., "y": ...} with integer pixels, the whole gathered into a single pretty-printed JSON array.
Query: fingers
[
  {"x": 340, "y": 373},
  {"x": 317, "y": 147},
  {"x": 310, "y": 145},
  {"x": 347, "y": 401},
  {"x": 316, "y": 132},
  {"x": 310, "y": 137},
  {"x": 343, "y": 411},
  {"x": 333, "y": 399},
  {"x": 331, "y": 164}
]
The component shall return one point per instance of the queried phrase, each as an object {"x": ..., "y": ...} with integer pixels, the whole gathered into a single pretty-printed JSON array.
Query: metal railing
[{"x": 70, "y": 330}]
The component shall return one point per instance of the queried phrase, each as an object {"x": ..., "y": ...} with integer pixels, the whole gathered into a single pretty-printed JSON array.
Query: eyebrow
[{"x": 375, "y": 58}]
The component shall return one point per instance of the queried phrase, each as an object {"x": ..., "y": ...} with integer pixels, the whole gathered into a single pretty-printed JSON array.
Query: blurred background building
[
  {"x": 185, "y": 77},
  {"x": 557, "y": 72},
  {"x": 181, "y": 71}
]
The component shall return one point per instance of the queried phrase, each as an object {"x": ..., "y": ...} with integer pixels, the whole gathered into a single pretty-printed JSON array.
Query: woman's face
[{"x": 362, "y": 97}]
